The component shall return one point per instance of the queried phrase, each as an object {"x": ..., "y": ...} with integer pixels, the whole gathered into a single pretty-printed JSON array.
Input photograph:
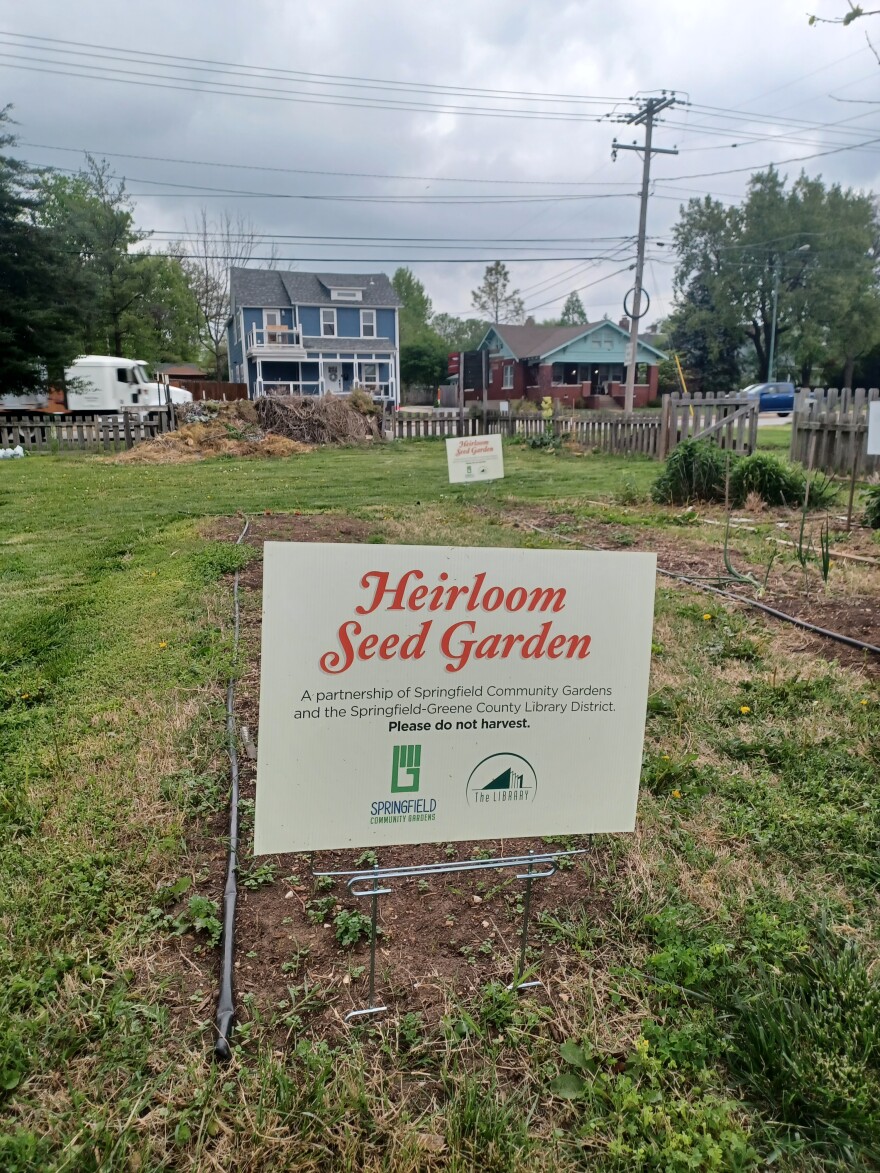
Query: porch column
[
  {"x": 259, "y": 387},
  {"x": 653, "y": 382}
]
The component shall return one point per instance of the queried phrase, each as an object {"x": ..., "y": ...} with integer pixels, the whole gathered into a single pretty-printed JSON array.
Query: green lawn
[
  {"x": 775, "y": 439},
  {"x": 714, "y": 989}
]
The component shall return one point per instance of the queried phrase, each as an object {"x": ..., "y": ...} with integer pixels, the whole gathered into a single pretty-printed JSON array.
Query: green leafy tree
[
  {"x": 459, "y": 333},
  {"x": 707, "y": 341},
  {"x": 573, "y": 312},
  {"x": 37, "y": 312},
  {"x": 423, "y": 363},
  {"x": 803, "y": 254},
  {"x": 168, "y": 325},
  {"x": 93, "y": 217},
  {"x": 415, "y": 312},
  {"x": 495, "y": 300}
]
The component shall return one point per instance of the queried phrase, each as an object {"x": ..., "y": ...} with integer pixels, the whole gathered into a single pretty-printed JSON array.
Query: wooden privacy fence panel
[
  {"x": 224, "y": 392},
  {"x": 607, "y": 431},
  {"x": 830, "y": 429},
  {"x": 102, "y": 433},
  {"x": 730, "y": 420}
]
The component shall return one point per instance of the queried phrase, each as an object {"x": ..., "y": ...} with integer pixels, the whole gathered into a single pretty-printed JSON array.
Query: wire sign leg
[
  {"x": 529, "y": 877},
  {"x": 374, "y": 893}
]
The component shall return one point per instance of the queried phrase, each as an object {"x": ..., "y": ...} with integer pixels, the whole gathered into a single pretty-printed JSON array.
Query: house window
[
  {"x": 369, "y": 374},
  {"x": 507, "y": 378},
  {"x": 328, "y": 323},
  {"x": 368, "y": 323}
]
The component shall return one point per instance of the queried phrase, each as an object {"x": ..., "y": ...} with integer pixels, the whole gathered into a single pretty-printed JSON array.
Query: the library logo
[{"x": 502, "y": 778}]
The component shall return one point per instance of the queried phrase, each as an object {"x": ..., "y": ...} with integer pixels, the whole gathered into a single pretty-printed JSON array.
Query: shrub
[
  {"x": 872, "y": 507},
  {"x": 694, "y": 472},
  {"x": 777, "y": 482}
]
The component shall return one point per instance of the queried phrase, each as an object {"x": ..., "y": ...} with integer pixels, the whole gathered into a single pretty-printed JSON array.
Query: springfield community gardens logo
[
  {"x": 503, "y": 777},
  {"x": 406, "y": 771}
]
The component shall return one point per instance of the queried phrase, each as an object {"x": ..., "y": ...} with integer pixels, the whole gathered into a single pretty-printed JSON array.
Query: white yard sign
[
  {"x": 416, "y": 694},
  {"x": 874, "y": 429},
  {"x": 474, "y": 458}
]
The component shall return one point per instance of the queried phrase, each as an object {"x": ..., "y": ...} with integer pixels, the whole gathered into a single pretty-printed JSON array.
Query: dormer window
[{"x": 346, "y": 295}]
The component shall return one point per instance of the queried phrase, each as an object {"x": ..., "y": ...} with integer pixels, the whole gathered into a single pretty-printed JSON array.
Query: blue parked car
[{"x": 778, "y": 397}]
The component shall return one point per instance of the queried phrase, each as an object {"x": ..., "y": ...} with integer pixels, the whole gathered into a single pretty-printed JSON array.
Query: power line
[
  {"x": 772, "y": 163},
  {"x": 315, "y": 171},
  {"x": 330, "y": 78},
  {"x": 581, "y": 288},
  {"x": 197, "y": 190},
  {"x": 129, "y": 76}
]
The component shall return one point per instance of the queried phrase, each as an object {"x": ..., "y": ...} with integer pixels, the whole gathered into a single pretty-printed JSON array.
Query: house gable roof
[
  {"x": 543, "y": 341},
  {"x": 536, "y": 341},
  {"x": 276, "y": 288}
]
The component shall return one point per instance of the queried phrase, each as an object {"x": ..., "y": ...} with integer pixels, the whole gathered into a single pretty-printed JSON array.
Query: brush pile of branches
[{"x": 313, "y": 419}]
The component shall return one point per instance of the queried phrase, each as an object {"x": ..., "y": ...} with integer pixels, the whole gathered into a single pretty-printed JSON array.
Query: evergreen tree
[
  {"x": 573, "y": 312},
  {"x": 37, "y": 313}
]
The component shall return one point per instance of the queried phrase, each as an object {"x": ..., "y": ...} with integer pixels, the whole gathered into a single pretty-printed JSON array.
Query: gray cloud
[{"x": 748, "y": 56}]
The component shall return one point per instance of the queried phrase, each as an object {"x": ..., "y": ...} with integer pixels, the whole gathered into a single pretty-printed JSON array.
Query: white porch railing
[{"x": 275, "y": 336}]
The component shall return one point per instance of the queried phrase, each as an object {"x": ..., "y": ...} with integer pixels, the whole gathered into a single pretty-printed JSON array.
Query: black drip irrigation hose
[
  {"x": 860, "y": 645},
  {"x": 225, "y": 1019}
]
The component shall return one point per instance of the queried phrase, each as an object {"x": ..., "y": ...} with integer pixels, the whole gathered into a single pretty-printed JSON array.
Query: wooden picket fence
[
  {"x": 830, "y": 429},
  {"x": 38, "y": 432},
  {"x": 731, "y": 421},
  {"x": 607, "y": 431}
]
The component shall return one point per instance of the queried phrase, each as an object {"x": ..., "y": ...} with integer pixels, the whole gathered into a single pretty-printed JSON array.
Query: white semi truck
[{"x": 100, "y": 384}]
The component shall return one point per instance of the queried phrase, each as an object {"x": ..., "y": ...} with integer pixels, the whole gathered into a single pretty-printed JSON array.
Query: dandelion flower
[
  {"x": 666, "y": 757},
  {"x": 744, "y": 709},
  {"x": 163, "y": 643},
  {"x": 676, "y": 794},
  {"x": 863, "y": 701},
  {"x": 707, "y": 615}
]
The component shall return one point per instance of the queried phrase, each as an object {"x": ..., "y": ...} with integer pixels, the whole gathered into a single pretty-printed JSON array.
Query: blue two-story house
[{"x": 293, "y": 333}]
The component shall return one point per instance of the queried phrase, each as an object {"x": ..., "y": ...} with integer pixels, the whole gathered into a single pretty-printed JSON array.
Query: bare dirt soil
[
  {"x": 850, "y": 605},
  {"x": 443, "y": 936}
]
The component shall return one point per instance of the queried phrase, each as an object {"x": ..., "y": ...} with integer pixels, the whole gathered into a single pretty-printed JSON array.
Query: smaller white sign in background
[
  {"x": 874, "y": 429},
  {"x": 474, "y": 458}
]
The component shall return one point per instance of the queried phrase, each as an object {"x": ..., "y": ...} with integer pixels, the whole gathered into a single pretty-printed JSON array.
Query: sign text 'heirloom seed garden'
[{"x": 417, "y": 694}]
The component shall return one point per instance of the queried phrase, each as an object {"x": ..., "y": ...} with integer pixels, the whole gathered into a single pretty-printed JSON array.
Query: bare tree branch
[
  {"x": 856, "y": 12},
  {"x": 212, "y": 248}
]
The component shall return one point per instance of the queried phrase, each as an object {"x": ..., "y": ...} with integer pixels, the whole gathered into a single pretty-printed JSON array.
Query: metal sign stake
[
  {"x": 413, "y": 871},
  {"x": 530, "y": 876},
  {"x": 374, "y": 893}
]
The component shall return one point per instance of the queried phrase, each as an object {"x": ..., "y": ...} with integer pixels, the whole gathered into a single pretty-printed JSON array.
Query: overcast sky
[{"x": 751, "y": 69}]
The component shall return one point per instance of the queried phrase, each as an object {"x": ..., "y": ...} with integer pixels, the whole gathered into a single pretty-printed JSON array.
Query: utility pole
[{"x": 644, "y": 116}]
